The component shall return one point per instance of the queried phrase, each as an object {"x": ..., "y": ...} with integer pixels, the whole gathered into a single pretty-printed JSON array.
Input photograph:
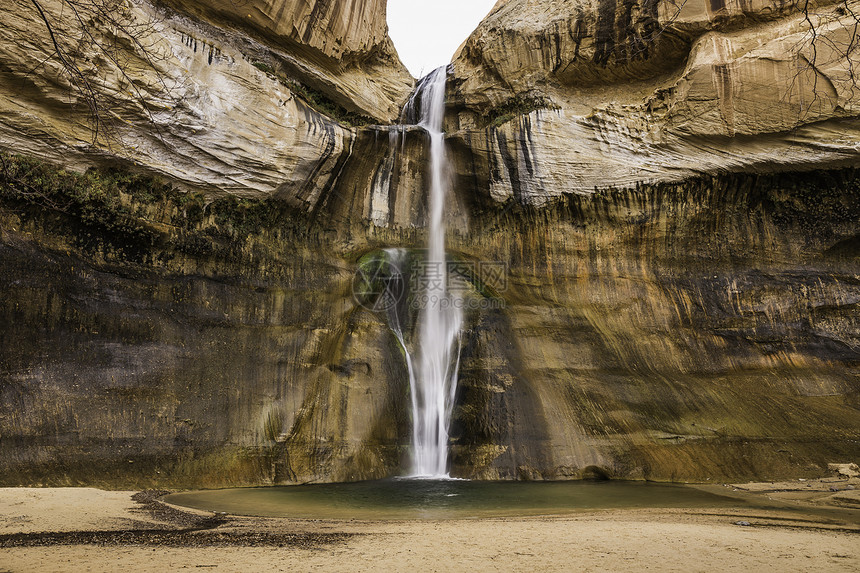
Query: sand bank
[{"x": 80, "y": 529}]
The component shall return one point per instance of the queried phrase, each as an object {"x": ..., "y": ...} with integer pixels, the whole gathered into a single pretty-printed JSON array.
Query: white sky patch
[{"x": 426, "y": 34}]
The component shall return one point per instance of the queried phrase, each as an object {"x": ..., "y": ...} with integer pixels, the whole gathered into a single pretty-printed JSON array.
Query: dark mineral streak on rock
[
  {"x": 720, "y": 312},
  {"x": 680, "y": 302}
]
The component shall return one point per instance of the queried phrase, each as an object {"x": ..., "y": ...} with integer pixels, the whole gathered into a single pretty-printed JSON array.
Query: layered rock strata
[
  {"x": 211, "y": 108},
  {"x": 658, "y": 92},
  {"x": 671, "y": 194}
]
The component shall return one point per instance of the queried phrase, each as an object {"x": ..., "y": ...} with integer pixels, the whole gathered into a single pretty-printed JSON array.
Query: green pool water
[{"x": 455, "y": 499}]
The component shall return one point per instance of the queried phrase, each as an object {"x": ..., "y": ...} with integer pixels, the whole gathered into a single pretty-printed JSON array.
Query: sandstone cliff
[
  {"x": 342, "y": 47},
  {"x": 673, "y": 194},
  {"x": 705, "y": 330},
  {"x": 659, "y": 92},
  {"x": 334, "y": 29},
  {"x": 220, "y": 106}
]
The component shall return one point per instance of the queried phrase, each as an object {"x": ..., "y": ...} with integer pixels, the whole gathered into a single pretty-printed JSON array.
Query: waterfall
[{"x": 433, "y": 383}]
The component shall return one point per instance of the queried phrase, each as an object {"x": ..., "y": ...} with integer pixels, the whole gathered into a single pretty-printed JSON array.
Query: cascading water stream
[{"x": 434, "y": 382}]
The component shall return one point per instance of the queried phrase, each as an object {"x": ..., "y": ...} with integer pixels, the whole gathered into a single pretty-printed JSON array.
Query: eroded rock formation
[
  {"x": 671, "y": 192},
  {"x": 749, "y": 87},
  {"x": 205, "y": 106}
]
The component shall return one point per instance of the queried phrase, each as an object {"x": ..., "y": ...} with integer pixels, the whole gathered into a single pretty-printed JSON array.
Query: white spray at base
[{"x": 433, "y": 383}]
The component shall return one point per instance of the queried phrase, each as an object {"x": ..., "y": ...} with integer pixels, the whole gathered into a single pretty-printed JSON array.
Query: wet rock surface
[
  {"x": 677, "y": 332},
  {"x": 677, "y": 228}
]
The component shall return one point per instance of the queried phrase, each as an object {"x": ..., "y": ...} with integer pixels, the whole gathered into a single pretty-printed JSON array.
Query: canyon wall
[
  {"x": 699, "y": 331},
  {"x": 581, "y": 96},
  {"x": 221, "y": 106},
  {"x": 659, "y": 318},
  {"x": 671, "y": 195}
]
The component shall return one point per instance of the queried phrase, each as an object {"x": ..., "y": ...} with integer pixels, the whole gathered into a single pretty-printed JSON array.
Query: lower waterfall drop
[{"x": 433, "y": 382}]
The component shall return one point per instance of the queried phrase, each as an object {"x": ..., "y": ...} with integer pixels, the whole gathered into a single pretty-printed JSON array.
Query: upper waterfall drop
[{"x": 434, "y": 382}]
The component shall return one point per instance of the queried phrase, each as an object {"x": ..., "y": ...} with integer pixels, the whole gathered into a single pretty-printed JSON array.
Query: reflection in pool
[{"x": 448, "y": 499}]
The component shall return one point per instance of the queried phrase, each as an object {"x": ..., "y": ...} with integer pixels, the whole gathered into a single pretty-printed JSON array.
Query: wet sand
[{"x": 80, "y": 529}]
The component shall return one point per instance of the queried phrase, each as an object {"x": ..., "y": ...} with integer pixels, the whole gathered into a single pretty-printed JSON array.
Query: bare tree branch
[{"x": 109, "y": 31}]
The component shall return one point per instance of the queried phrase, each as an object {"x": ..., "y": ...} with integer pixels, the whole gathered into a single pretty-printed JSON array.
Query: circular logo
[{"x": 378, "y": 285}]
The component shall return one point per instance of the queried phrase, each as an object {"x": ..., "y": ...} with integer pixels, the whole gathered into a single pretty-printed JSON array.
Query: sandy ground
[
  {"x": 113, "y": 532},
  {"x": 24, "y": 509}
]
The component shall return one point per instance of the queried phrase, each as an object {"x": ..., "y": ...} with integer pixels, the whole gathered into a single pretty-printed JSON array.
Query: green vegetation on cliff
[
  {"x": 135, "y": 217},
  {"x": 703, "y": 330},
  {"x": 517, "y": 106}
]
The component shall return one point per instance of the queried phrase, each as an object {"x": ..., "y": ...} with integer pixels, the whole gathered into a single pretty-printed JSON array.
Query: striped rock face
[{"x": 653, "y": 221}]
